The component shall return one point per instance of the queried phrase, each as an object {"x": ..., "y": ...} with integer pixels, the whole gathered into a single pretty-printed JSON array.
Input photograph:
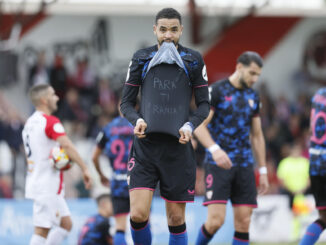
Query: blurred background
[{"x": 83, "y": 48}]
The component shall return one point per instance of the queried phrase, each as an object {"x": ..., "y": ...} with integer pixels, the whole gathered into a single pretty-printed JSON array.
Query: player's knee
[
  {"x": 175, "y": 219},
  {"x": 214, "y": 223},
  {"x": 242, "y": 224},
  {"x": 138, "y": 216}
]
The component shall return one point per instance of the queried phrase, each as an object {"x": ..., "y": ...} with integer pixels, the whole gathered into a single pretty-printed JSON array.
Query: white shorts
[{"x": 48, "y": 210}]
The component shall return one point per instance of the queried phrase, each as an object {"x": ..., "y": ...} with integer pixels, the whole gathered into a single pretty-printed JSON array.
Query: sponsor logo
[
  {"x": 128, "y": 72},
  {"x": 209, "y": 194},
  {"x": 204, "y": 73},
  {"x": 228, "y": 98},
  {"x": 58, "y": 128},
  {"x": 191, "y": 192},
  {"x": 251, "y": 103}
]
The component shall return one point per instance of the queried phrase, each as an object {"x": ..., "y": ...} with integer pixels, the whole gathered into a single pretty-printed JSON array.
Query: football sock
[
  {"x": 141, "y": 233},
  {"x": 56, "y": 236},
  {"x": 313, "y": 232},
  {"x": 178, "y": 235},
  {"x": 37, "y": 240},
  {"x": 119, "y": 238},
  {"x": 203, "y": 237},
  {"x": 240, "y": 238}
]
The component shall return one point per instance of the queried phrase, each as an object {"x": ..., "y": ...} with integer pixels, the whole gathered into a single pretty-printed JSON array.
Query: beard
[{"x": 243, "y": 84}]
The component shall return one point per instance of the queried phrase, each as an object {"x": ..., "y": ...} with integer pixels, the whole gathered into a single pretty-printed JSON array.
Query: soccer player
[
  {"x": 115, "y": 141},
  {"x": 97, "y": 228},
  {"x": 44, "y": 183},
  {"x": 168, "y": 74},
  {"x": 317, "y": 171},
  {"x": 230, "y": 133}
]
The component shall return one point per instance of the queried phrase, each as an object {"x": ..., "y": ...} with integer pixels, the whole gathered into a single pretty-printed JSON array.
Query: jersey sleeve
[
  {"x": 213, "y": 94},
  {"x": 130, "y": 89},
  {"x": 257, "y": 106},
  {"x": 199, "y": 76},
  {"x": 101, "y": 139},
  {"x": 54, "y": 127}
]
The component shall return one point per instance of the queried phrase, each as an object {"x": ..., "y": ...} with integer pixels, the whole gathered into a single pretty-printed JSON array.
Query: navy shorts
[
  {"x": 237, "y": 184},
  {"x": 318, "y": 187},
  {"x": 121, "y": 205},
  {"x": 161, "y": 158}
]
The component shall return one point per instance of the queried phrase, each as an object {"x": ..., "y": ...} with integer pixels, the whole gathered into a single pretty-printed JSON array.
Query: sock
[
  {"x": 313, "y": 232},
  {"x": 240, "y": 238},
  {"x": 141, "y": 233},
  {"x": 56, "y": 236},
  {"x": 178, "y": 235},
  {"x": 37, "y": 240},
  {"x": 203, "y": 237},
  {"x": 119, "y": 238}
]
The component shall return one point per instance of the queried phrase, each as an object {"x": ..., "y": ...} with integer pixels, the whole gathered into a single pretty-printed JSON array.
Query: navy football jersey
[
  {"x": 116, "y": 139},
  {"x": 95, "y": 231},
  {"x": 231, "y": 124},
  {"x": 318, "y": 134}
]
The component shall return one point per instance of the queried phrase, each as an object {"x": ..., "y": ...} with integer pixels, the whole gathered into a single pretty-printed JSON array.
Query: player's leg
[
  {"x": 39, "y": 236},
  {"x": 215, "y": 219},
  {"x": 121, "y": 209},
  {"x": 42, "y": 221},
  {"x": 318, "y": 186},
  {"x": 175, "y": 213},
  {"x": 140, "y": 205},
  {"x": 242, "y": 216},
  {"x": 120, "y": 225},
  {"x": 244, "y": 199},
  {"x": 218, "y": 190},
  {"x": 59, "y": 233}
]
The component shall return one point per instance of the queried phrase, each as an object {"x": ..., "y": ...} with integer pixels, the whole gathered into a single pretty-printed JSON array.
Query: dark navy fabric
[
  {"x": 116, "y": 140},
  {"x": 194, "y": 68},
  {"x": 318, "y": 136},
  {"x": 95, "y": 231},
  {"x": 231, "y": 124},
  {"x": 166, "y": 96}
]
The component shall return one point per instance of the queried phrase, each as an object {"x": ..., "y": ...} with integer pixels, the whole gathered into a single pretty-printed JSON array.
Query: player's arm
[
  {"x": 205, "y": 138},
  {"x": 101, "y": 140},
  {"x": 200, "y": 87},
  {"x": 259, "y": 151},
  {"x": 71, "y": 151},
  {"x": 129, "y": 97}
]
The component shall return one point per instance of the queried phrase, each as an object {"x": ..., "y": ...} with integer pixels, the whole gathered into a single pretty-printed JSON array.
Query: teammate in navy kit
[
  {"x": 230, "y": 133},
  {"x": 97, "y": 228},
  {"x": 115, "y": 141},
  {"x": 168, "y": 74},
  {"x": 317, "y": 155}
]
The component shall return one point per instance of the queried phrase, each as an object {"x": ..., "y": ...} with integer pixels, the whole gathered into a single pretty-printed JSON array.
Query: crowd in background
[{"x": 88, "y": 102}]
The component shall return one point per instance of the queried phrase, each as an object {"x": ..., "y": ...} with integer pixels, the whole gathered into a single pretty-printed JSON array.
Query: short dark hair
[
  {"x": 101, "y": 197},
  {"x": 36, "y": 92},
  {"x": 248, "y": 57},
  {"x": 168, "y": 13}
]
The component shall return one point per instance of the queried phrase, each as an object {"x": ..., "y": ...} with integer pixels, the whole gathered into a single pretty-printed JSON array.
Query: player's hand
[
  {"x": 87, "y": 179},
  {"x": 185, "y": 136},
  {"x": 104, "y": 180},
  {"x": 185, "y": 133},
  {"x": 222, "y": 159},
  {"x": 140, "y": 128},
  {"x": 263, "y": 184}
]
